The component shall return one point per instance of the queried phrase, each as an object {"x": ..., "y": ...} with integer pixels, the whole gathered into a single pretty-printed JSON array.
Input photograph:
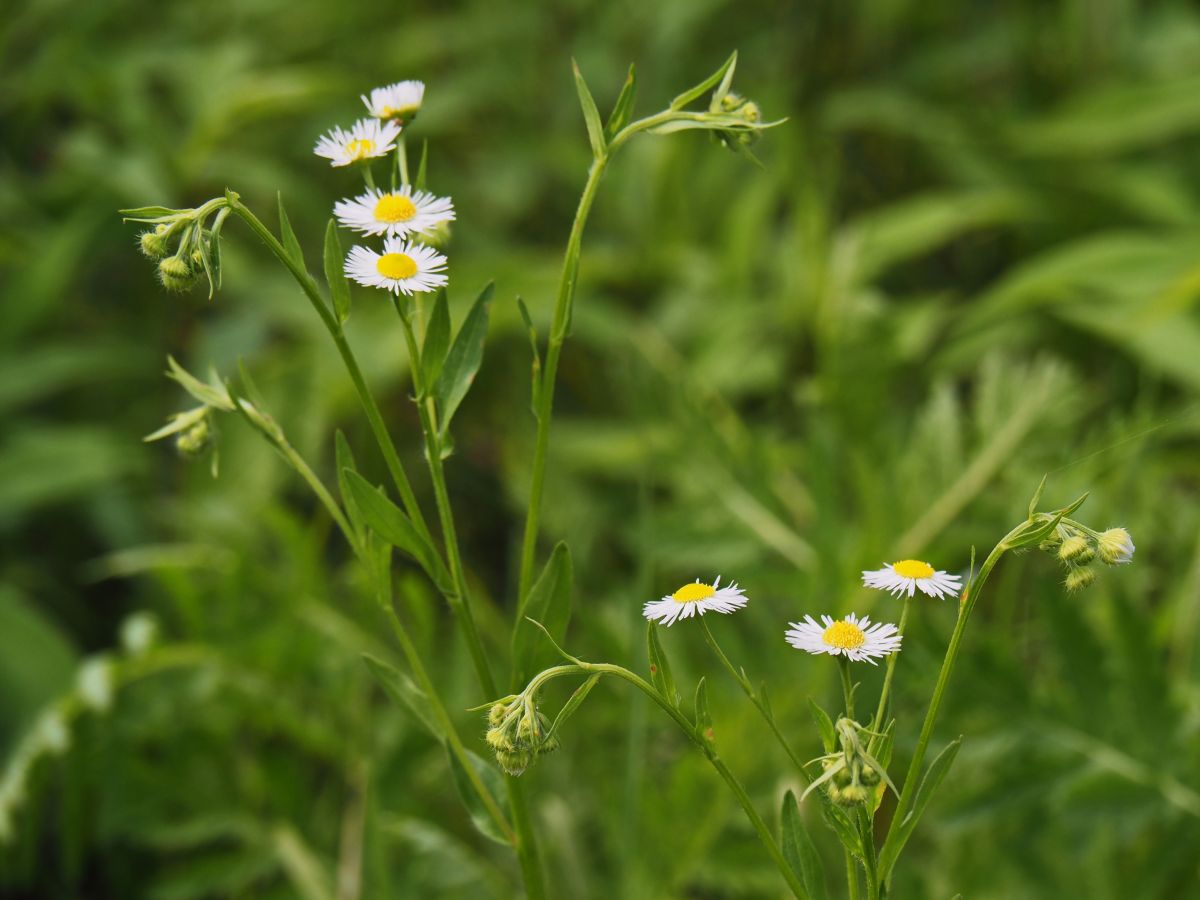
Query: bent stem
[
  {"x": 526, "y": 841},
  {"x": 692, "y": 732},
  {"x": 545, "y": 388}
]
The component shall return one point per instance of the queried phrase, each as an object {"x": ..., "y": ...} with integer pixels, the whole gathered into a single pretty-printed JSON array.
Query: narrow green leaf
[
  {"x": 929, "y": 783},
  {"x": 400, "y": 688},
  {"x": 660, "y": 668},
  {"x": 463, "y": 361},
  {"x": 722, "y": 90},
  {"x": 492, "y": 780},
  {"x": 704, "y": 725},
  {"x": 824, "y": 725},
  {"x": 694, "y": 93},
  {"x": 437, "y": 340},
  {"x": 419, "y": 184},
  {"x": 591, "y": 115},
  {"x": 335, "y": 272},
  {"x": 344, "y": 459},
  {"x": 536, "y": 366},
  {"x": 623, "y": 108},
  {"x": 835, "y": 818},
  {"x": 388, "y": 521},
  {"x": 573, "y": 703},
  {"x": 288, "y": 237},
  {"x": 549, "y": 602},
  {"x": 210, "y": 395},
  {"x": 799, "y": 851},
  {"x": 149, "y": 212}
]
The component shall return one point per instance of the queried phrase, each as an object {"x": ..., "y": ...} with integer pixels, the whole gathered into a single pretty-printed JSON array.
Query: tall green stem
[
  {"x": 545, "y": 389},
  {"x": 876, "y": 724},
  {"x": 374, "y": 417},
  {"x": 526, "y": 838}
]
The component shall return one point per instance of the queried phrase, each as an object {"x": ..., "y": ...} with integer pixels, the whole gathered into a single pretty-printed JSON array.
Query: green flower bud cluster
[
  {"x": 196, "y": 439},
  {"x": 1077, "y": 547},
  {"x": 518, "y": 733},
  {"x": 851, "y": 775},
  {"x": 186, "y": 249},
  {"x": 735, "y": 105}
]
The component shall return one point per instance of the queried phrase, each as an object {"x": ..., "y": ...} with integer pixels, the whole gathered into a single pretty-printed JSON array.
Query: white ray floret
[
  {"x": 856, "y": 639},
  {"x": 401, "y": 100},
  {"x": 694, "y": 599},
  {"x": 910, "y": 575},
  {"x": 366, "y": 139},
  {"x": 394, "y": 213},
  {"x": 402, "y": 268}
]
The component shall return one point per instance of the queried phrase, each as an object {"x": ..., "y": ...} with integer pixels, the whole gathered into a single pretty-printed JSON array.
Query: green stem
[
  {"x": 545, "y": 389},
  {"x": 374, "y": 417},
  {"x": 526, "y": 839},
  {"x": 847, "y": 685},
  {"x": 760, "y": 827},
  {"x": 876, "y": 724},
  {"x": 851, "y": 875},
  {"x": 893, "y": 843},
  {"x": 744, "y": 684}
]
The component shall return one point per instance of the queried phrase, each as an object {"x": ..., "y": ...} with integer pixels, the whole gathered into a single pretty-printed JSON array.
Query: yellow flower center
[
  {"x": 844, "y": 635},
  {"x": 360, "y": 149},
  {"x": 396, "y": 265},
  {"x": 393, "y": 208},
  {"x": 912, "y": 568},
  {"x": 691, "y": 593},
  {"x": 397, "y": 112}
]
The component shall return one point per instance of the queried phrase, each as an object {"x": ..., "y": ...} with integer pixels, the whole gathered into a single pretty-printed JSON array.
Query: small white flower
[
  {"x": 395, "y": 213},
  {"x": 856, "y": 639},
  {"x": 693, "y": 599},
  {"x": 366, "y": 139},
  {"x": 910, "y": 574},
  {"x": 396, "y": 101},
  {"x": 402, "y": 268},
  {"x": 1116, "y": 546}
]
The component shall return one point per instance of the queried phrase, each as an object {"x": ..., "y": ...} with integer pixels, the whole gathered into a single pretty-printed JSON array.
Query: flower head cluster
[
  {"x": 185, "y": 243},
  {"x": 1077, "y": 547},
  {"x": 517, "y": 732},
  {"x": 850, "y": 774},
  {"x": 407, "y": 218}
]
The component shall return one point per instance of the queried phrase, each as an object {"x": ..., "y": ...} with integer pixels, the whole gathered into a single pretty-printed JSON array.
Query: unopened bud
[
  {"x": 1078, "y": 578},
  {"x": 1075, "y": 549},
  {"x": 497, "y": 713},
  {"x": 175, "y": 274},
  {"x": 193, "y": 441},
  {"x": 514, "y": 762},
  {"x": 1116, "y": 546},
  {"x": 154, "y": 243}
]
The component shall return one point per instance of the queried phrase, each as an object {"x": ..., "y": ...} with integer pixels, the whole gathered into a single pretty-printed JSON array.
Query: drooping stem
[
  {"x": 750, "y": 693},
  {"x": 375, "y": 419},
  {"x": 545, "y": 390}
]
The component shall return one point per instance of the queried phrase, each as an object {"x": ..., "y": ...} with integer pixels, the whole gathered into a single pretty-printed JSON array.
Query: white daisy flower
[
  {"x": 402, "y": 268},
  {"x": 395, "y": 213},
  {"x": 366, "y": 139},
  {"x": 695, "y": 598},
  {"x": 396, "y": 101},
  {"x": 910, "y": 574},
  {"x": 856, "y": 639}
]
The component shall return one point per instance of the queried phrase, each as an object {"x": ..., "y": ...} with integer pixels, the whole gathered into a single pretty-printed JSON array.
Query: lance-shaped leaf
[
  {"x": 623, "y": 108},
  {"x": 660, "y": 668},
  {"x": 437, "y": 341},
  {"x": 463, "y": 361},
  {"x": 400, "y": 688},
  {"x": 345, "y": 463},
  {"x": 335, "y": 273},
  {"x": 147, "y": 213},
  {"x": 549, "y": 602},
  {"x": 900, "y": 831},
  {"x": 215, "y": 394},
  {"x": 704, "y": 725},
  {"x": 572, "y": 704},
  {"x": 799, "y": 851},
  {"x": 536, "y": 365},
  {"x": 591, "y": 115},
  {"x": 388, "y": 521},
  {"x": 1037, "y": 496},
  {"x": 711, "y": 81},
  {"x": 288, "y": 237},
  {"x": 494, "y": 783},
  {"x": 824, "y": 725}
]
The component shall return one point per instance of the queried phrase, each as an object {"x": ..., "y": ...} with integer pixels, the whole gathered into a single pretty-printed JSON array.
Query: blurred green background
[{"x": 972, "y": 256}]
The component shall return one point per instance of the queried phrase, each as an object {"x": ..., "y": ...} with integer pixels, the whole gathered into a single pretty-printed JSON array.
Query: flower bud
[
  {"x": 851, "y": 795},
  {"x": 155, "y": 243},
  {"x": 1078, "y": 578},
  {"x": 1116, "y": 546},
  {"x": 869, "y": 776},
  {"x": 514, "y": 762},
  {"x": 498, "y": 739},
  {"x": 191, "y": 442},
  {"x": 175, "y": 274},
  {"x": 497, "y": 713}
]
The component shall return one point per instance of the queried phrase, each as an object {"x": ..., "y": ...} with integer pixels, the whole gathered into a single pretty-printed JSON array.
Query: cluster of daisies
[
  {"x": 408, "y": 220},
  {"x": 854, "y": 637}
]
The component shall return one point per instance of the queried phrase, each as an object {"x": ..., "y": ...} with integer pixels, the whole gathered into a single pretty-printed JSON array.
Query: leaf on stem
[
  {"x": 492, "y": 780},
  {"x": 660, "y": 669},
  {"x": 695, "y": 93},
  {"x": 400, "y": 688},
  {"x": 572, "y": 704},
  {"x": 345, "y": 463},
  {"x": 549, "y": 602},
  {"x": 799, "y": 851},
  {"x": 591, "y": 115},
  {"x": 335, "y": 273},
  {"x": 704, "y": 725},
  {"x": 463, "y": 361},
  {"x": 536, "y": 366},
  {"x": 437, "y": 341},
  {"x": 903, "y": 829},
  {"x": 623, "y": 108},
  {"x": 388, "y": 521},
  {"x": 824, "y": 725},
  {"x": 288, "y": 237},
  {"x": 1037, "y": 496}
]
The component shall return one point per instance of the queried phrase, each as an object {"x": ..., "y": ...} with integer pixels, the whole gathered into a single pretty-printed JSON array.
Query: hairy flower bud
[
  {"x": 1073, "y": 547},
  {"x": 175, "y": 274},
  {"x": 1078, "y": 578},
  {"x": 514, "y": 762},
  {"x": 195, "y": 440},
  {"x": 1116, "y": 546},
  {"x": 155, "y": 243}
]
